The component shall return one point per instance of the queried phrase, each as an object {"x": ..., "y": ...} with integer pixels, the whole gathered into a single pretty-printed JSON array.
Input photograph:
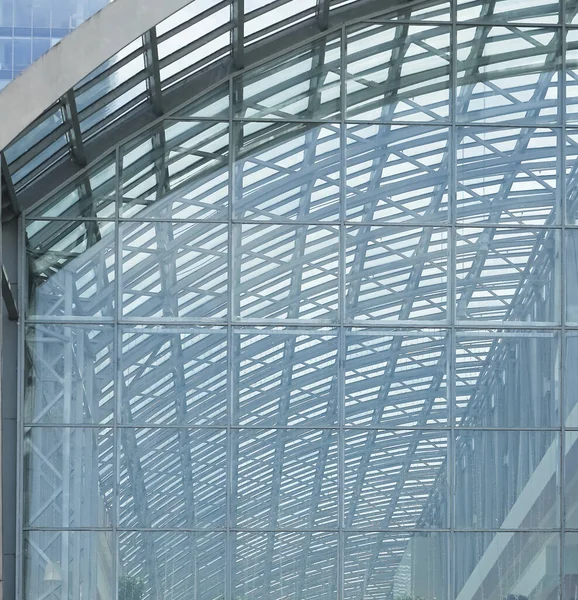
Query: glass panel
[
  {"x": 571, "y": 75},
  {"x": 508, "y": 74},
  {"x": 303, "y": 84},
  {"x": 285, "y": 566},
  {"x": 93, "y": 196},
  {"x": 178, "y": 170},
  {"x": 507, "y": 176},
  {"x": 71, "y": 269},
  {"x": 508, "y": 275},
  {"x": 174, "y": 270},
  {"x": 509, "y": 11},
  {"x": 397, "y": 173},
  {"x": 432, "y": 10},
  {"x": 155, "y": 565},
  {"x": 399, "y": 566},
  {"x": 174, "y": 376},
  {"x": 70, "y": 374},
  {"x": 398, "y": 72},
  {"x": 288, "y": 171},
  {"x": 571, "y": 379},
  {"x": 396, "y": 273},
  {"x": 284, "y": 377},
  {"x": 396, "y": 479},
  {"x": 285, "y": 478},
  {"x": 506, "y": 565},
  {"x": 172, "y": 478},
  {"x": 571, "y": 482},
  {"x": 571, "y": 276},
  {"x": 64, "y": 565},
  {"x": 395, "y": 379},
  {"x": 571, "y": 172},
  {"x": 507, "y": 379},
  {"x": 507, "y": 479},
  {"x": 287, "y": 272},
  {"x": 68, "y": 477},
  {"x": 213, "y": 104},
  {"x": 571, "y": 8},
  {"x": 570, "y": 585}
]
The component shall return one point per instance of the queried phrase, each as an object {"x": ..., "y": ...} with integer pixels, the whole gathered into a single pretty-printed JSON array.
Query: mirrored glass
[
  {"x": 397, "y": 173},
  {"x": 173, "y": 376},
  {"x": 571, "y": 276},
  {"x": 286, "y": 272},
  {"x": 285, "y": 566},
  {"x": 70, "y": 374},
  {"x": 171, "y": 564},
  {"x": 174, "y": 270},
  {"x": 285, "y": 478},
  {"x": 571, "y": 482},
  {"x": 285, "y": 377},
  {"x": 507, "y": 479},
  {"x": 571, "y": 379},
  {"x": 177, "y": 170},
  {"x": 396, "y": 566},
  {"x": 509, "y": 11},
  {"x": 302, "y": 84},
  {"x": 396, "y": 273},
  {"x": 396, "y": 479},
  {"x": 571, "y": 74},
  {"x": 571, "y": 9},
  {"x": 507, "y": 176},
  {"x": 508, "y": 274},
  {"x": 213, "y": 104},
  {"x": 398, "y": 72},
  {"x": 507, "y": 74},
  {"x": 71, "y": 268},
  {"x": 570, "y": 582},
  {"x": 287, "y": 171},
  {"x": 507, "y": 379},
  {"x": 571, "y": 173},
  {"x": 68, "y": 480},
  {"x": 63, "y": 565},
  {"x": 172, "y": 477},
  {"x": 506, "y": 565},
  {"x": 396, "y": 379}
]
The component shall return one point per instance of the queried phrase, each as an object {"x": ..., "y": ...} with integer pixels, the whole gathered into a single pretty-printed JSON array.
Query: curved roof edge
[{"x": 75, "y": 57}]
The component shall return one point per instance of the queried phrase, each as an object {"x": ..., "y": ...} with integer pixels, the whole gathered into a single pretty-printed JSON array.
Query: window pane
[
  {"x": 397, "y": 173},
  {"x": 288, "y": 171},
  {"x": 507, "y": 176},
  {"x": 303, "y": 84},
  {"x": 398, "y": 72},
  {"x": 172, "y": 478},
  {"x": 509, "y": 11},
  {"x": 571, "y": 380},
  {"x": 285, "y": 377},
  {"x": 396, "y": 273},
  {"x": 174, "y": 376},
  {"x": 71, "y": 269},
  {"x": 570, "y": 483},
  {"x": 507, "y": 379},
  {"x": 404, "y": 565},
  {"x": 571, "y": 276},
  {"x": 68, "y": 477},
  {"x": 508, "y": 275},
  {"x": 287, "y": 272},
  {"x": 285, "y": 566},
  {"x": 395, "y": 379},
  {"x": 174, "y": 270},
  {"x": 508, "y": 74},
  {"x": 285, "y": 478},
  {"x": 396, "y": 479},
  {"x": 179, "y": 170},
  {"x": 507, "y": 479},
  {"x": 171, "y": 564},
  {"x": 70, "y": 374},
  {"x": 61, "y": 565}
]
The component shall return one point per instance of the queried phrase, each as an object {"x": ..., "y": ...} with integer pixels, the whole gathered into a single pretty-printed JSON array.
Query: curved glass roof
[{"x": 321, "y": 241}]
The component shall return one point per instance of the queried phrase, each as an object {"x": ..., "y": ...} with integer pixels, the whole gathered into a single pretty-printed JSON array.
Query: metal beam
[
  {"x": 74, "y": 132},
  {"x": 8, "y": 297},
  {"x": 154, "y": 85}
]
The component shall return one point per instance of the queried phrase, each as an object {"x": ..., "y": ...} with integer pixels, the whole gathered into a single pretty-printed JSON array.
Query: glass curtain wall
[{"x": 315, "y": 335}]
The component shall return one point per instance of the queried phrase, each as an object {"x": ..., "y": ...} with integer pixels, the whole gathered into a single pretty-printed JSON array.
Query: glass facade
[
  {"x": 314, "y": 335},
  {"x": 28, "y": 28}
]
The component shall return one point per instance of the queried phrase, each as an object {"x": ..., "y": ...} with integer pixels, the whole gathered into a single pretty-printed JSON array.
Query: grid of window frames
[{"x": 314, "y": 336}]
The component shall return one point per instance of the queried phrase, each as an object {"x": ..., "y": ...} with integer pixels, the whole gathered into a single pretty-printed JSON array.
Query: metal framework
[{"x": 298, "y": 286}]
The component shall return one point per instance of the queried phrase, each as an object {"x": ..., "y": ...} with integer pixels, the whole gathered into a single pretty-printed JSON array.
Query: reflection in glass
[
  {"x": 571, "y": 276},
  {"x": 278, "y": 566},
  {"x": 173, "y": 376},
  {"x": 395, "y": 566},
  {"x": 71, "y": 269},
  {"x": 397, "y": 174},
  {"x": 507, "y": 479},
  {"x": 507, "y": 379},
  {"x": 509, "y": 11},
  {"x": 70, "y": 374},
  {"x": 172, "y": 478},
  {"x": 68, "y": 477},
  {"x": 395, "y": 479}
]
